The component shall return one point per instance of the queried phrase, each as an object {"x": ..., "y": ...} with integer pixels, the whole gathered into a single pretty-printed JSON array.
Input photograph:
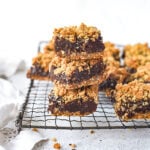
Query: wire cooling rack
[{"x": 34, "y": 112}]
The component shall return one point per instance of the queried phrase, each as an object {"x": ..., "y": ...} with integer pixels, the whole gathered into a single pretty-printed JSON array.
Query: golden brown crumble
[
  {"x": 84, "y": 93},
  {"x": 133, "y": 91},
  {"x": 43, "y": 59},
  {"x": 72, "y": 32},
  {"x": 136, "y": 61},
  {"x": 49, "y": 47},
  {"x": 110, "y": 61},
  {"x": 67, "y": 66},
  {"x": 111, "y": 51},
  {"x": 136, "y": 55},
  {"x": 111, "y": 55},
  {"x": 142, "y": 74},
  {"x": 137, "y": 49}
]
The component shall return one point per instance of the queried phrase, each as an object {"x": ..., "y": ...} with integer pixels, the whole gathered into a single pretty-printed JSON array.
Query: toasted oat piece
[
  {"x": 136, "y": 55},
  {"x": 72, "y": 74},
  {"x": 132, "y": 100},
  {"x": 78, "y": 42},
  {"x": 76, "y": 102},
  {"x": 40, "y": 66}
]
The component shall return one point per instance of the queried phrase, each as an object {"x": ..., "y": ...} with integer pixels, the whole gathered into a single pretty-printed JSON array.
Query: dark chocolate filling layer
[
  {"x": 78, "y": 76},
  {"x": 140, "y": 108},
  {"x": 109, "y": 83},
  {"x": 74, "y": 106},
  {"x": 78, "y": 46},
  {"x": 37, "y": 70}
]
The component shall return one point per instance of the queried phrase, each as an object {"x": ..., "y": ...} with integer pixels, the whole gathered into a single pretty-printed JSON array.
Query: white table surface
[{"x": 108, "y": 139}]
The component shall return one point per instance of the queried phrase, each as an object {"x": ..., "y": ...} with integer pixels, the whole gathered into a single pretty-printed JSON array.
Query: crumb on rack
[
  {"x": 92, "y": 131},
  {"x": 57, "y": 146},
  {"x": 73, "y": 146},
  {"x": 35, "y": 129},
  {"x": 54, "y": 139}
]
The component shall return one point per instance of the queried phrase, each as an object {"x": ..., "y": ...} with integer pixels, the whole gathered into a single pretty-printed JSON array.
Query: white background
[{"x": 23, "y": 23}]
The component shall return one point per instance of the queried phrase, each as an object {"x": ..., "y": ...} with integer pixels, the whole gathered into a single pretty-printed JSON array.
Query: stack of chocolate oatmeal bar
[{"x": 76, "y": 70}]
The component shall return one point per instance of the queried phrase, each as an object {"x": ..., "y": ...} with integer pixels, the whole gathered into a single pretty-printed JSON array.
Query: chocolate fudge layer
[
  {"x": 40, "y": 66},
  {"x": 132, "y": 100},
  {"x": 82, "y": 101},
  {"x": 136, "y": 55},
  {"x": 78, "y": 42},
  {"x": 74, "y": 74},
  {"x": 38, "y": 73},
  {"x": 114, "y": 74}
]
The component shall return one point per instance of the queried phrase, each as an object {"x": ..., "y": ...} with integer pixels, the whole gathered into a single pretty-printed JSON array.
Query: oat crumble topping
[
  {"x": 83, "y": 32},
  {"x": 68, "y": 66},
  {"x": 137, "y": 49},
  {"x": 142, "y": 74},
  {"x": 133, "y": 91},
  {"x": 84, "y": 93}
]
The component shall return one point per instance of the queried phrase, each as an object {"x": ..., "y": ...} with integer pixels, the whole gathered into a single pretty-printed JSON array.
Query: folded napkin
[
  {"x": 9, "y": 98},
  {"x": 9, "y": 66}
]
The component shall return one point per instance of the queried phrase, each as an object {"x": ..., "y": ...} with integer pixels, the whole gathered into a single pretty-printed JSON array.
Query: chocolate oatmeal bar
[
  {"x": 76, "y": 73},
  {"x": 132, "y": 100},
  {"x": 80, "y": 102},
  {"x": 40, "y": 66},
  {"x": 136, "y": 55},
  {"x": 78, "y": 42}
]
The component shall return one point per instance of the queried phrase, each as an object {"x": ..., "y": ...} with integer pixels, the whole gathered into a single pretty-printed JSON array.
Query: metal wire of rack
[{"x": 34, "y": 113}]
